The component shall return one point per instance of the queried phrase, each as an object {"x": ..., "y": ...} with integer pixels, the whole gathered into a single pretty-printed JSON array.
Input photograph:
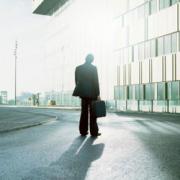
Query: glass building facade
[
  {"x": 148, "y": 61},
  {"x": 136, "y": 48}
]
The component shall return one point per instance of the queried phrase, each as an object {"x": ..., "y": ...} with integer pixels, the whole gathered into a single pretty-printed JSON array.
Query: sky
[{"x": 18, "y": 23}]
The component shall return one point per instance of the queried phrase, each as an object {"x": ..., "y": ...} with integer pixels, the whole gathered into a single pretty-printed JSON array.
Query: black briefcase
[{"x": 99, "y": 108}]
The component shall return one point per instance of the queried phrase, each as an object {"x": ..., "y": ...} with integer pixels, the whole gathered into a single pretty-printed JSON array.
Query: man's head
[{"x": 89, "y": 58}]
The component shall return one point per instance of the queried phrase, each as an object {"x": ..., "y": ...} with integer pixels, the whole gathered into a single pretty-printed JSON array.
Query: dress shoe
[
  {"x": 84, "y": 134},
  {"x": 95, "y": 135}
]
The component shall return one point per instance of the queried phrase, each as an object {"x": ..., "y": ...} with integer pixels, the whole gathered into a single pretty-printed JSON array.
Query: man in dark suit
[{"x": 87, "y": 88}]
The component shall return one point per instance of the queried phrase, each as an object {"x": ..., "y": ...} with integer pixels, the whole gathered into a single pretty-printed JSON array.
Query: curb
[
  {"x": 126, "y": 113},
  {"x": 44, "y": 107},
  {"x": 27, "y": 126}
]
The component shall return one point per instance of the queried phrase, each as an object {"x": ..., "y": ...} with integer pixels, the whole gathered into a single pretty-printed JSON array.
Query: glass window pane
[
  {"x": 136, "y": 53},
  {"x": 137, "y": 95},
  {"x": 167, "y": 44},
  {"x": 153, "y": 48},
  {"x": 169, "y": 88},
  {"x": 130, "y": 54},
  {"x": 125, "y": 92},
  {"x": 130, "y": 93},
  {"x": 166, "y": 3},
  {"x": 175, "y": 90},
  {"x": 121, "y": 92},
  {"x": 174, "y": 42},
  {"x": 146, "y": 9},
  {"x": 174, "y": 1},
  {"x": 126, "y": 56},
  {"x": 116, "y": 92},
  {"x": 141, "y": 12},
  {"x": 147, "y": 49},
  {"x": 153, "y": 6},
  {"x": 161, "y": 4},
  {"x": 160, "y": 46},
  {"x": 161, "y": 91},
  {"x": 149, "y": 92},
  {"x": 141, "y": 92},
  {"x": 141, "y": 51}
]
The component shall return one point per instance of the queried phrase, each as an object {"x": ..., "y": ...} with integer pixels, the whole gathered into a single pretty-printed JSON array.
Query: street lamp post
[{"x": 15, "y": 70}]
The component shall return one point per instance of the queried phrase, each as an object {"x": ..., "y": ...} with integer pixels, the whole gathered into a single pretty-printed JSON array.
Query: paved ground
[
  {"x": 18, "y": 118},
  {"x": 132, "y": 147}
]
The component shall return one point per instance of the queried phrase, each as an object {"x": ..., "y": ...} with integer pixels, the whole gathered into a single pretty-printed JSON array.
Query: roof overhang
[{"x": 47, "y": 7}]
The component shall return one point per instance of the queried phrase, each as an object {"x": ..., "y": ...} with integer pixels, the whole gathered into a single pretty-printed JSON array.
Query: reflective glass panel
[
  {"x": 174, "y": 42},
  {"x": 130, "y": 92},
  {"x": 137, "y": 97},
  {"x": 141, "y": 11},
  {"x": 147, "y": 49},
  {"x": 169, "y": 88},
  {"x": 149, "y": 92},
  {"x": 141, "y": 51},
  {"x": 161, "y": 4},
  {"x": 166, "y": 3},
  {"x": 126, "y": 55},
  {"x": 153, "y": 6},
  {"x": 174, "y": 1},
  {"x": 141, "y": 92},
  {"x": 121, "y": 92},
  {"x": 160, "y": 46},
  {"x": 136, "y": 53},
  {"x": 153, "y": 48},
  {"x": 161, "y": 91},
  {"x": 146, "y": 9},
  {"x": 175, "y": 90},
  {"x": 116, "y": 92},
  {"x": 130, "y": 54},
  {"x": 167, "y": 44}
]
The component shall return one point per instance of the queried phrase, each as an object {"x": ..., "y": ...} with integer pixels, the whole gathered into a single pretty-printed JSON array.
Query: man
[{"x": 87, "y": 88}]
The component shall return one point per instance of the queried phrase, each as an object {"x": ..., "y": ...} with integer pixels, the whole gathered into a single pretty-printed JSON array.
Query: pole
[{"x": 15, "y": 72}]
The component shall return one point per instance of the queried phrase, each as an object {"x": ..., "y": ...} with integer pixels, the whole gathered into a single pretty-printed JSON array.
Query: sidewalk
[{"x": 12, "y": 119}]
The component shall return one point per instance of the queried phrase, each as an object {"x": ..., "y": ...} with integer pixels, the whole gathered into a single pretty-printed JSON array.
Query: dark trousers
[{"x": 86, "y": 111}]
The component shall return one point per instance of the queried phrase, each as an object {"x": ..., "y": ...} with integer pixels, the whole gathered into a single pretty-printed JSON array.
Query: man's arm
[
  {"x": 76, "y": 76},
  {"x": 97, "y": 82}
]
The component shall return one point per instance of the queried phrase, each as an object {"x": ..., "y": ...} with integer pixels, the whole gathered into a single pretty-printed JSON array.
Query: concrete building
[
  {"x": 136, "y": 46},
  {"x": 3, "y": 97}
]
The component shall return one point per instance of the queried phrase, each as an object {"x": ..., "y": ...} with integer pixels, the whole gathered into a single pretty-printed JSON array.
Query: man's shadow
[{"x": 73, "y": 164}]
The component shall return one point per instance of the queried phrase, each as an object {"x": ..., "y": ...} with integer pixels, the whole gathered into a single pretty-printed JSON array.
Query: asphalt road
[
  {"x": 16, "y": 118},
  {"x": 132, "y": 147}
]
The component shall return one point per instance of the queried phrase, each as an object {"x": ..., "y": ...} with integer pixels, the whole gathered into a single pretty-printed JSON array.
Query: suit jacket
[{"x": 87, "y": 83}]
